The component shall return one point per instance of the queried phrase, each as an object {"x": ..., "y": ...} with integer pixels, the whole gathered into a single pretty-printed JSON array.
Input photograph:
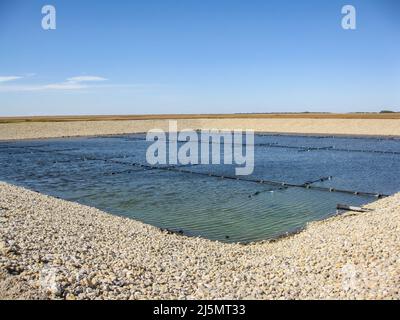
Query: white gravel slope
[
  {"x": 36, "y": 130},
  {"x": 50, "y": 248}
]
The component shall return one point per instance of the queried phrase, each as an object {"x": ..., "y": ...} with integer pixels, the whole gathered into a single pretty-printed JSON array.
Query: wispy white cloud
[
  {"x": 63, "y": 86},
  {"x": 73, "y": 83},
  {"x": 9, "y": 78},
  {"x": 86, "y": 79}
]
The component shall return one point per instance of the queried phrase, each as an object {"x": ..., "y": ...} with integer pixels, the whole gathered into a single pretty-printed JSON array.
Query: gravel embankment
[
  {"x": 38, "y": 130},
  {"x": 50, "y": 248}
]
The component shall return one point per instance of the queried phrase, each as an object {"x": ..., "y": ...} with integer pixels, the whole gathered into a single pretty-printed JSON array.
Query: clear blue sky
[{"x": 198, "y": 56}]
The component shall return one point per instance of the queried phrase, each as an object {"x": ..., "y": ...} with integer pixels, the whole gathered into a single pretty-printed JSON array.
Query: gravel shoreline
[
  {"x": 55, "y": 249},
  {"x": 360, "y": 127}
]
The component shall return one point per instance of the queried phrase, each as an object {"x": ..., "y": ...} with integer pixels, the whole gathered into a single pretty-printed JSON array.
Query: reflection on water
[{"x": 219, "y": 209}]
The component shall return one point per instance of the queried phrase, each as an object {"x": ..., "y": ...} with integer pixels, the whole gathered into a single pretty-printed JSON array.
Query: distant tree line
[{"x": 387, "y": 111}]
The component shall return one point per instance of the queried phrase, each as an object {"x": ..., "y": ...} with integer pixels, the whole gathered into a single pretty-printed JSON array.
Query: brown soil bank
[{"x": 347, "y": 124}]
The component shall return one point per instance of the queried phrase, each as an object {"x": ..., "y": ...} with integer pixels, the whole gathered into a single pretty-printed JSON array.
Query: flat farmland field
[{"x": 63, "y": 118}]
